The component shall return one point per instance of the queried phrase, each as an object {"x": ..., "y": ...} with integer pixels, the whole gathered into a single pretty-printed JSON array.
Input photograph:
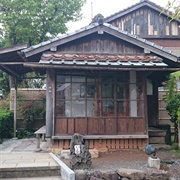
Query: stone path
[{"x": 19, "y": 156}]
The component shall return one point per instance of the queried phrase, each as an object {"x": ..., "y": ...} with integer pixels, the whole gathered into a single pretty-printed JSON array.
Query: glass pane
[
  {"x": 61, "y": 78},
  {"x": 63, "y": 91},
  {"x": 140, "y": 108},
  {"x": 107, "y": 88},
  {"x": 90, "y": 79},
  {"x": 78, "y": 90},
  {"x": 78, "y": 78},
  {"x": 123, "y": 108},
  {"x": 91, "y": 89},
  {"x": 140, "y": 94},
  {"x": 122, "y": 91},
  {"x": 92, "y": 109},
  {"x": 63, "y": 108},
  {"x": 78, "y": 108},
  {"x": 108, "y": 107}
]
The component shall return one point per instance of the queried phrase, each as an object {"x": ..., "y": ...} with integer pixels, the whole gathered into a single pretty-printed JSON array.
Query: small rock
[
  {"x": 80, "y": 174},
  {"x": 133, "y": 174},
  {"x": 159, "y": 175},
  {"x": 111, "y": 175}
]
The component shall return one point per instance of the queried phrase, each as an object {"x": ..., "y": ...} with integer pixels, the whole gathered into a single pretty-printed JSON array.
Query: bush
[
  {"x": 6, "y": 124},
  {"x": 175, "y": 146}
]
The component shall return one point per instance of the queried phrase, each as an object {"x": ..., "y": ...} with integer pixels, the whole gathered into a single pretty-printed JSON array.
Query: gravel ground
[
  {"x": 132, "y": 159},
  {"x": 135, "y": 159}
]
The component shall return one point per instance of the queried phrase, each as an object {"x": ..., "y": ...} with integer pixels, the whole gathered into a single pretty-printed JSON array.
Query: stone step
[
  {"x": 26, "y": 172},
  {"x": 38, "y": 178}
]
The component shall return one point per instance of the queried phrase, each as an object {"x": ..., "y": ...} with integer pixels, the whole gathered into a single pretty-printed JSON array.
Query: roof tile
[{"x": 101, "y": 59}]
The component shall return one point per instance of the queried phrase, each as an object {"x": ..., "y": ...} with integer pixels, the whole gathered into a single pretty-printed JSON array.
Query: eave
[{"x": 45, "y": 66}]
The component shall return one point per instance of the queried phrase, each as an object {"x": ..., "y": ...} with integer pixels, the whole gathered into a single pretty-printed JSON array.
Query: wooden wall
[
  {"x": 96, "y": 43},
  {"x": 103, "y": 145},
  {"x": 100, "y": 126},
  {"x": 147, "y": 22}
]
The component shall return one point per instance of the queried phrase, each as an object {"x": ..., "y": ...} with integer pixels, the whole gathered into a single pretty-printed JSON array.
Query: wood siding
[
  {"x": 105, "y": 144},
  {"x": 96, "y": 43},
  {"x": 100, "y": 126},
  {"x": 147, "y": 22}
]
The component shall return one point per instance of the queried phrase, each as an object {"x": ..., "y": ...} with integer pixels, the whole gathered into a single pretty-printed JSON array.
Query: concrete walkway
[{"x": 19, "y": 157}]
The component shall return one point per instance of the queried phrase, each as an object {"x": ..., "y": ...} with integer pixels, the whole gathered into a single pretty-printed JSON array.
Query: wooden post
[
  {"x": 38, "y": 143},
  {"x": 49, "y": 102},
  {"x": 15, "y": 105}
]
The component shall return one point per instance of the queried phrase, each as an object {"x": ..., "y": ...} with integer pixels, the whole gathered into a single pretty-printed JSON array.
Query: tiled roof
[
  {"x": 48, "y": 44},
  {"x": 101, "y": 60}
]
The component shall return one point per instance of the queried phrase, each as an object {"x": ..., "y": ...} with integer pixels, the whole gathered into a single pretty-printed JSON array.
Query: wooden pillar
[
  {"x": 49, "y": 102},
  {"x": 15, "y": 104},
  {"x": 133, "y": 94},
  {"x": 38, "y": 143}
]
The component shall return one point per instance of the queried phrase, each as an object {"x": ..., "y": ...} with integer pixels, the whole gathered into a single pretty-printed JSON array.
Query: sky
[{"x": 106, "y": 8}]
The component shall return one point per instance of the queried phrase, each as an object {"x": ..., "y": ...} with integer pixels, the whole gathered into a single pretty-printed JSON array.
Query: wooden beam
[
  {"x": 11, "y": 63},
  {"x": 130, "y": 136},
  {"x": 26, "y": 60},
  {"x": 122, "y": 68},
  {"x": 10, "y": 70}
]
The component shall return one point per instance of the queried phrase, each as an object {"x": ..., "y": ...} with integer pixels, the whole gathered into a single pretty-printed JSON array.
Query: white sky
[{"x": 106, "y": 8}]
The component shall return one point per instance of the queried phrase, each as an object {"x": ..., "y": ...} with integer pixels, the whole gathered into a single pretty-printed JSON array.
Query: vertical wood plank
[
  {"x": 61, "y": 144},
  {"x": 91, "y": 143},
  {"x": 113, "y": 144},
  {"x": 126, "y": 144},
  {"x": 122, "y": 144},
  {"x": 71, "y": 126},
  {"x": 61, "y": 126},
  {"x": 130, "y": 144},
  {"x": 66, "y": 144},
  {"x": 108, "y": 142},
  {"x": 80, "y": 126}
]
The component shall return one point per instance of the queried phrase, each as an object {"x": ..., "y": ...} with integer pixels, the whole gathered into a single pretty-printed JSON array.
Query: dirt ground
[
  {"x": 136, "y": 159},
  {"x": 114, "y": 160}
]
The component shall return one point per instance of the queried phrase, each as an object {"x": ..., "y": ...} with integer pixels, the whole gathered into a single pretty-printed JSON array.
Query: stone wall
[{"x": 122, "y": 174}]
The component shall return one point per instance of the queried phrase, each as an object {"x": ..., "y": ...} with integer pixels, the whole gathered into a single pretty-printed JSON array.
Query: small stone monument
[
  {"x": 153, "y": 161},
  {"x": 80, "y": 157}
]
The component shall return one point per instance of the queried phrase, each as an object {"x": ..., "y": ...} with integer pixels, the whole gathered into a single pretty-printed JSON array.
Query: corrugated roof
[{"x": 101, "y": 60}]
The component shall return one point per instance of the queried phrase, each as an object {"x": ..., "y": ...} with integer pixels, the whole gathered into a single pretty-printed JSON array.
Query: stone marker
[
  {"x": 154, "y": 163},
  {"x": 80, "y": 157}
]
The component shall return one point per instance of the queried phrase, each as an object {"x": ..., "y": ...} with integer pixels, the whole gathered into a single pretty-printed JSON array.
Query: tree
[
  {"x": 4, "y": 82},
  {"x": 173, "y": 9},
  {"x": 34, "y": 21},
  {"x": 172, "y": 99}
]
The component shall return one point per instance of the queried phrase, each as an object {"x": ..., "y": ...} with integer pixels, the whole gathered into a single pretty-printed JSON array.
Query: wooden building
[
  {"x": 148, "y": 20},
  {"x": 102, "y": 82}
]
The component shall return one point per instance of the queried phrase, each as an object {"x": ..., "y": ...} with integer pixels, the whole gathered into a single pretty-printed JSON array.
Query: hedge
[{"x": 6, "y": 124}]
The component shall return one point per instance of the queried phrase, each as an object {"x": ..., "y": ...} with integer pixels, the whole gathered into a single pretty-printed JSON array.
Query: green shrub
[
  {"x": 175, "y": 146},
  {"x": 6, "y": 124}
]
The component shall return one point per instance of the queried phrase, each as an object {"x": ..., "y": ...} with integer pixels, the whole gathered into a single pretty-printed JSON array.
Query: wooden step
[{"x": 155, "y": 132}]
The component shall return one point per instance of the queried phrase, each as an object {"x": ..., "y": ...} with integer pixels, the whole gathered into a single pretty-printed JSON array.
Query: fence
[{"x": 26, "y": 96}]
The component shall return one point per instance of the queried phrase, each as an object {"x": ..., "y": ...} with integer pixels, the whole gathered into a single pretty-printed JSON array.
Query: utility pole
[{"x": 91, "y": 10}]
